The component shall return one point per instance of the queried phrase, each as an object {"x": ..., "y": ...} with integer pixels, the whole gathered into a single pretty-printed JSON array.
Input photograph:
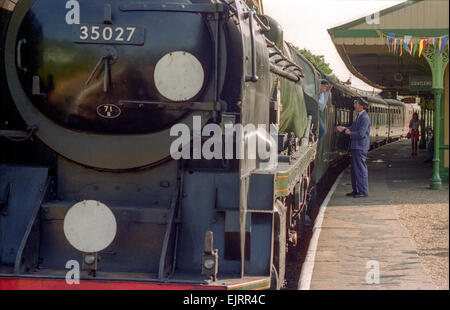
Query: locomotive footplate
[
  {"x": 42, "y": 280},
  {"x": 288, "y": 174}
]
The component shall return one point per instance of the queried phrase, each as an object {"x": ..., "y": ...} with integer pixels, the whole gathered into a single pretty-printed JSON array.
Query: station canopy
[{"x": 363, "y": 45}]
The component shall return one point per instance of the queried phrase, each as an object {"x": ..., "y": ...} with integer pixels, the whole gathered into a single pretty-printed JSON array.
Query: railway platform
[{"x": 396, "y": 238}]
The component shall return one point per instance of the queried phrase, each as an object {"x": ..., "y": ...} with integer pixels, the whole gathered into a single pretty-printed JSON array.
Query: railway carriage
[
  {"x": 397, "y": 117},
  {"x": 379, "y": 130}
]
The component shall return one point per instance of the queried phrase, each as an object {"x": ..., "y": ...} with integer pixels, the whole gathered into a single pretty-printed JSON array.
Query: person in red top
[{"x": 414, "y": 133}]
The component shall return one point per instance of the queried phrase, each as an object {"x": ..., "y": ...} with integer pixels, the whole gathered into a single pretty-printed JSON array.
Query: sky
[{"x": 305, "y": 24}]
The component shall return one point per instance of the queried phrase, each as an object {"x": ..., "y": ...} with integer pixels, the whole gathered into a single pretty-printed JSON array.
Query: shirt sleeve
[{"x": 322, "y": 101}]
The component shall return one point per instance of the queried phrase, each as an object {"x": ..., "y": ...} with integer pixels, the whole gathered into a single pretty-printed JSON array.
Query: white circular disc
[
  {"x": 90, "y": 226},
  {"x": 179, "y": 76}
]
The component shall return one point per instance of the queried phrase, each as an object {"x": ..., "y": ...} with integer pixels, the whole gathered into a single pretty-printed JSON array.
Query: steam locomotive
[{"x": 90, "y": 193}]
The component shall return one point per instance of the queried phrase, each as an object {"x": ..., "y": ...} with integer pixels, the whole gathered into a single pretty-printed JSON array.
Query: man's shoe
[
  {"x": 359, "y": 195},
  {"x": 352, "y": 194}
]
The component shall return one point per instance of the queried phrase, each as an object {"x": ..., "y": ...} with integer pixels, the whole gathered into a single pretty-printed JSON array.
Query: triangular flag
[
  {"x": 444, "y": 42},
  {"x": 406, "y": 48},
  {"x": 407, "y": 39},
  {"x": 440, "y": 43},
  {"x": 391, "y": 38},
  {"x": 401, "y": 47},
  {"x": 411, "y": 47},
  {"x": 379, "y": 33},
  {"x": 420, "y": 47},
  {"x": 415, "y": 47}
]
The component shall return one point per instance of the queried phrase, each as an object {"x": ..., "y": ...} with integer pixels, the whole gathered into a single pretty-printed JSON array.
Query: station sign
[
  {"x": 410, "y": 100},
  {"x": 420, "y": 83}
]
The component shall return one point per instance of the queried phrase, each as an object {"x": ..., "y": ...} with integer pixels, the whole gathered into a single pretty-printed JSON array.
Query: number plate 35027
[{"x": 108, "y": 34}]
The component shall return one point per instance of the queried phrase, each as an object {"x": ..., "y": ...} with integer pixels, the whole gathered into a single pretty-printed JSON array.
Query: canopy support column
[{"x": 437, "y": 63}]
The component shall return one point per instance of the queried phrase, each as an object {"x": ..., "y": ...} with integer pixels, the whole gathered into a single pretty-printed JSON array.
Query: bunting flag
[
  {"x": 401, "y": 47},
  {"x": 420, "y": 47},
  {"x": 413, "y": 46},
  {"x": 406, "y": 48},
  {"x": 406, "y": 43},
  {"x": 444, "y": 41},
  {"x": 391, "y": 38},
  {"x": 407, "y": 39}
]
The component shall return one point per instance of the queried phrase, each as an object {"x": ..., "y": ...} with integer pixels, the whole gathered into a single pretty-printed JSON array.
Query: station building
[{"x": 403, "y": 50}]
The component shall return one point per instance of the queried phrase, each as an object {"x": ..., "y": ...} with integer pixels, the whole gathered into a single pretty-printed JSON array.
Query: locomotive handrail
[
  {"x": 279, "y": 53},
  {"x": 252, "y": 78},
  {"x": 285, "y": 74},
  {"x": 19, "y": 135},
  {"x": 19, "y": 55},
  {"x": 175, "y": 7},
  {"x": 195, "y": 106},
  {"x": 264, "y": 27}
]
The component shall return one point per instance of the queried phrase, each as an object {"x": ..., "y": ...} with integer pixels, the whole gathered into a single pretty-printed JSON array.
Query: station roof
[{"x": 366, "y": 54}]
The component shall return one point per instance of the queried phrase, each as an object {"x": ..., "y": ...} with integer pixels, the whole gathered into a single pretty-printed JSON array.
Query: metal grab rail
[
  {"x": 290, "y": 76},
  {"x": 19, "y": 55},
  {"x": 252, "y": 78},
  {"x": 194, "y": 106},
  {"x": 279, "y": 53}
]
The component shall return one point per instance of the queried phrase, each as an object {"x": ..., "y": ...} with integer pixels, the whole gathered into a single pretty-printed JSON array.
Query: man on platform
[{"x": 359, "y": 134}]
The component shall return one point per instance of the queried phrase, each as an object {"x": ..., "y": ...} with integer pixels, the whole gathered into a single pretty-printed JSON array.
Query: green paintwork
[
  {"x": 294, "y": 115},
  {"x": 289, "y": 174},
  {"x": 437, "y": 64}
]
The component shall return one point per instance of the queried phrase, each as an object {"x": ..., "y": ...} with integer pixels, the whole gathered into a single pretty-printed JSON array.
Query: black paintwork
[{"x": 63, "y": 66}]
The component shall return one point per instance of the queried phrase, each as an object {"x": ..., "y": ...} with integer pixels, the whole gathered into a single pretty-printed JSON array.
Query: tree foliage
[{"x": 319, "y": 62}]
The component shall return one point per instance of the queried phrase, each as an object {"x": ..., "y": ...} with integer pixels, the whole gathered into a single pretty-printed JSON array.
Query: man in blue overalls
[{"x": 359, "y": 134}]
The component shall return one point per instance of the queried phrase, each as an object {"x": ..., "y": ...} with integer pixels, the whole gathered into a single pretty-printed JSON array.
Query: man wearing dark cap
[
  {"x": 359, "y": 134},
  {"x": 324, "y": 94}
]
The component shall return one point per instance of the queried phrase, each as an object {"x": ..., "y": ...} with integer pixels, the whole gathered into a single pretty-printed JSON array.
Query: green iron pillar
[
  {"x": 436, "y": 182},
  {"x": 437, "y": 64}
]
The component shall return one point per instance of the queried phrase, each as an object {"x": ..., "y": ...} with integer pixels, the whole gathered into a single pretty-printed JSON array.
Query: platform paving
[{"x": 357, "y": 234}]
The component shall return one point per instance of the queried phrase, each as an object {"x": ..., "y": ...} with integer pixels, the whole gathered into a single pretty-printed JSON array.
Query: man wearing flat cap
[
  {"x": 359, "y": 134},
  {"x": 324, "y": 94}
]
